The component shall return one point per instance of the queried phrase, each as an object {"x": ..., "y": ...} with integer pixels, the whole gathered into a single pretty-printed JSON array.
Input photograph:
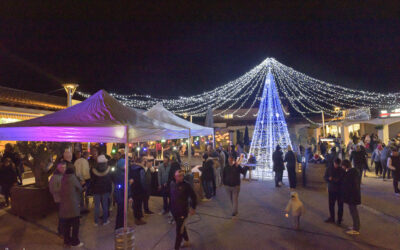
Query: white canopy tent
[
  {"x": 100, "y": 118},
  {"x": 158, "y": 112}
]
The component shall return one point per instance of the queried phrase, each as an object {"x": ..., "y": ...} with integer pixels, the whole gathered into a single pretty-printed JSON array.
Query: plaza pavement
[{"x": 261, "y": 223}]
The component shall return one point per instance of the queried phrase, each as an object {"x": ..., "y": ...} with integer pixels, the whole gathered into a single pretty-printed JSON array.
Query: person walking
[
  {"x": 359, "y": 158},
  {"x": 82, "y": 170},
  {"x": 290, "y": 159},
  {"x": 384, "y": 158},
  {"x": 207, "y": 176},
  {"x": 163, "y": 181},
  {"x": 69, "y": 211},
  {"x": 376, "y": 158},
  {"x": 8, "y": 178},
  {"x": 181, "y": 192},
  {"x": 352, "y": 194},
  {"x": 101, "y": 187},
  {"x": 278, "y": 166},
  {"x": 394, "y": 165},
  {"x": 55, "y": 187},
  {"x": 231, "y": 181},
  {"x": 334, "y": 177}
]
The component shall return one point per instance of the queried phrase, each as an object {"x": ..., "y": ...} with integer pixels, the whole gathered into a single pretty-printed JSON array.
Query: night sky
[{"x": 187, "y": 48}]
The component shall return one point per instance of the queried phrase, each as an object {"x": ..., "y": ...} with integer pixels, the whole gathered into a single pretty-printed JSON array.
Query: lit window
[{"x": 228, "y": 116}]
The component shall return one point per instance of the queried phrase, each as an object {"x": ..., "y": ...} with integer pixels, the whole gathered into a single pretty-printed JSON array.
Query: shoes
[
  {"x": 79, "y": 245},
  {"x": 352, "y": 232},
  {"x": 106, "y": 223},
  {"x": 234, "y": 214},
  {"x": 339, "y": 223},
  {"x": 148, "y": 212},
  {"x": 350, "y": 228},
  {"x": 185, "y": 243},
  {"x": 96, "y": 224},
  {"x": 162, "y": 212},
  {"x": 329, "y": 220},
  {"x": 171, "y": 221},
  {"x": 85, "y": 211},
  {"x": 139, "y": 222},
  {"x": 205, "y": 199},
  {"x": 397, "y": 194}
]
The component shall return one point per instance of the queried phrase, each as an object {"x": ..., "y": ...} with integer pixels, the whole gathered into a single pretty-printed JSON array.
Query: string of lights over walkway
[{"x": 305, "y": 94}]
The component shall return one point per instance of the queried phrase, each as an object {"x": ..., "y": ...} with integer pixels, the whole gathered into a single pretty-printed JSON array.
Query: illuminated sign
[{"x": 391, "y": 113}]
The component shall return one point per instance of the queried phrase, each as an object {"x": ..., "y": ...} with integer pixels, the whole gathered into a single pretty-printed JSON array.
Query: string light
[{"x": 306, "y": 95}]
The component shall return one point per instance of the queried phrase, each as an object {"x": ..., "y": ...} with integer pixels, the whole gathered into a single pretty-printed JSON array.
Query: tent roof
[
  {"x": 160, "y": 113},
  {"x": 100, "y": 118}
]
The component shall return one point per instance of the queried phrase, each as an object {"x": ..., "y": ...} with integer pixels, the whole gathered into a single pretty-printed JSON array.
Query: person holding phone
[{"x": 231, "y": 180}]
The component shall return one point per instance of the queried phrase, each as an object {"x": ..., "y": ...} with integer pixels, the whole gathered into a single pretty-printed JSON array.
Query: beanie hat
[{"x": 102, "y": 159}]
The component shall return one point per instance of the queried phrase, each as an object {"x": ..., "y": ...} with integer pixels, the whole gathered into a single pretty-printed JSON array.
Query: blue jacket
[{"x": 163, "y": 174}]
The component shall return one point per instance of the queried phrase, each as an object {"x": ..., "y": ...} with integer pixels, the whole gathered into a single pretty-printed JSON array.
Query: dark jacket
[
  {"x": 70, "y": 195},
  {"x": 290, "y": 158},
  {"x": 146, "y": 180},
  {"x": 137, "y": 188},
  {"x": 277, "y": 158},
  {"x": 118, "y": 179},
  {"x": 360, "y": 159},
  {"x": 180, "y": 194},
  {"x": 330, "y": 159},
  {"x": 396, "y": 165},
  {"x": 171, "y": 175},
  {"x": 351, "y": 187},
  {"x": 231, "y": 175},
  {"x": 100, "y": 179},
  {"x": 207, "y": 170},
  {"x": 8, "y": 176},
  {"x": 337, "y": 175}
]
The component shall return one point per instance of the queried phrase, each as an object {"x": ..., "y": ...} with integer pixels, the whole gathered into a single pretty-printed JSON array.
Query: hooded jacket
[
  {"x": 101, "y": 179},
  {"x": 180, "y": 194},
  {"x": 295, "y": 207},
  {"x": 351, "y": 187},
  {"x": 70, "y": 194},
  {"x": 55, "y": 185}
]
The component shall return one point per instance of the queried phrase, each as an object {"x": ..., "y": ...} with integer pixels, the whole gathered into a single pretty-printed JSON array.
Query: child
[{"x": 296, "y": 208}]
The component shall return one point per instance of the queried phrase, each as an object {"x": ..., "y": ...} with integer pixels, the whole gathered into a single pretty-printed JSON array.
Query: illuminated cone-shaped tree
[{"x": 270, "y": 129}]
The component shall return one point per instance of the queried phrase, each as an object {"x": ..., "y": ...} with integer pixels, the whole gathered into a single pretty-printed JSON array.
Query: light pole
[{"x": 70, "y": 89}]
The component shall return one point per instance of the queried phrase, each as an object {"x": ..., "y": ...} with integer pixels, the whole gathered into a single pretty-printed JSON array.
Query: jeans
[
  {"x": 233, "y": 193},
  {"x": 166, "y": 200},
  {"x": 333, "y": 197},
  {"x": 71, "y": 238},
  {"x": 208, "y": 188},
  {"x": 102, "y": 199},
  {"x": 146, "y": 202},
  {"x": 378, "y": 168},
  {"x": 385, "y": 170},
  {"x": 355, "y": 217},
  {"x": 180, "y": 231},
  {"x": 278, "y": 177}
]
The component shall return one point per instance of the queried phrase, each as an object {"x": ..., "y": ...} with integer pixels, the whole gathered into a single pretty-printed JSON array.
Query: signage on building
[{"x": 390, "y": 113}]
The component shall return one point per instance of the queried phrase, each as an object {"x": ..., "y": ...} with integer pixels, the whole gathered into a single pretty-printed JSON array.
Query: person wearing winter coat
[
  {"x": 352, "y": 194},
  {"x": 55, "y": 187},
  {"x": 163, "y": 182},
  {"x": 295, "y": 208},
  {"x": 69, "y": 211},
  {"x": 231, "y": 181},
  {"x": 146, "y": 180},
  {"x": 82, "y": 170},
  {"x": 8, "y": 178},
  {"x": 394, "y": 165},
  {"x": 278, "y": 166},
  {"x": 385, "y": 154},
  {"x": 359, "y": 158},
  {"x": 101, "y": 185},
  {"x": 290, "y": 159},
  {"x": 207, "y": 176},
  {"x": 331, "y": 157},
  {"x": 118, "y": 179},
  {"x": 137, "y": 193},
  {"x": 181, "y": 193},
  {"x": 334, "y": 177},
  {"x": 376, "y": 158}
]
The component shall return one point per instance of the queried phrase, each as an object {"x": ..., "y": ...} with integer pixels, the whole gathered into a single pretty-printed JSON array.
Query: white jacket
[
  {"x": 82, "y": 169},
  {"x": 295, "y": 207}
]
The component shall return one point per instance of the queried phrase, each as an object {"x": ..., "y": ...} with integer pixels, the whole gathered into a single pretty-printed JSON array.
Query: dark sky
[{"x": 187, "y": 48}]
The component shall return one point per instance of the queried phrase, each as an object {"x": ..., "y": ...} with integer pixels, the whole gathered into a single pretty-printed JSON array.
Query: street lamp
[{"x": 70, "y": 89}]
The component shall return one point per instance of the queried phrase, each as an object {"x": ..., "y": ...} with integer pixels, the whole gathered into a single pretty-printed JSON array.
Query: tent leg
[
  {"x": 190, "y": 150},
  {"x": 126, "y": 180},
  {"x": 213, "y": 136}
]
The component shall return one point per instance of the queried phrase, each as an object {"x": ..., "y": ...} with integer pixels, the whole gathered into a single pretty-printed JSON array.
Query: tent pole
[
  {"x": 190, "y": 149},
  {"x": 126, "y": 180},
  {"x": 213, "y": 136}
]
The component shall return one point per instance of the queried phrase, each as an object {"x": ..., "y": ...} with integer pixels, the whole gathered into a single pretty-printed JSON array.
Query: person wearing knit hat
[{"x": 101, "y": 185}]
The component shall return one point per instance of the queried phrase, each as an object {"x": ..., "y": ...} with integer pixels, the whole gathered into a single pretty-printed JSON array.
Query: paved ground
[{"x": 260, "y": 225}]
